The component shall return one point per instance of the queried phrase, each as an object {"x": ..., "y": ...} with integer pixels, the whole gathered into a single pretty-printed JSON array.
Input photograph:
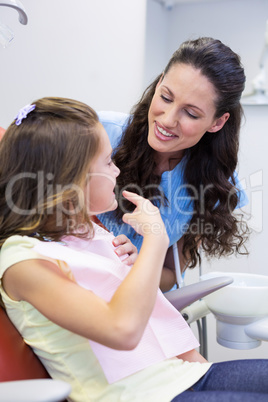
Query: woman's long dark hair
[{"x": 210, "y": 164}]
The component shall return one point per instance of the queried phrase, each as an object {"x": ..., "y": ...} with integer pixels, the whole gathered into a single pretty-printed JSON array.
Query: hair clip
[{"x": 23, "y": 113}]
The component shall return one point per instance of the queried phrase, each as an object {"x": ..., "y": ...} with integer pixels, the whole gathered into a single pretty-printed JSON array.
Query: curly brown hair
[{"x": 216, "y": 155}]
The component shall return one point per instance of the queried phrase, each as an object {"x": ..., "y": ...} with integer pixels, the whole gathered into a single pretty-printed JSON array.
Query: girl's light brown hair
[{"x": 44, "y": 162}]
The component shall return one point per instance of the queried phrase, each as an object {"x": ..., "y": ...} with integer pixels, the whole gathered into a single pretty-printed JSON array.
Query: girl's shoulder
[
  {"x": 18, "y": 243},
  {"x": 16, "y": 249}
]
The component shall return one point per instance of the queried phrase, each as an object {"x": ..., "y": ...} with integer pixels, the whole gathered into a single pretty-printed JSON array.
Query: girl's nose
[{"x": 116, "y": 170}]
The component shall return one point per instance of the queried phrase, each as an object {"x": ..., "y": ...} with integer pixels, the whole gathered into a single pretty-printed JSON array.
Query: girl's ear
[
  {"x": 2, "y": 132},
  {"x": 219, "y": 123}
]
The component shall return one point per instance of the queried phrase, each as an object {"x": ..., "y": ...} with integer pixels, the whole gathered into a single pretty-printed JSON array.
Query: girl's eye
[
  {"x": 165, "y": 99},
  {"x": 110, "y": 163}
]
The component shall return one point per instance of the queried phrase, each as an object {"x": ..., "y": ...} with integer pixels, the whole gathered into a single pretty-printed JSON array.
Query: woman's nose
[{"x": 170, "y": 117}]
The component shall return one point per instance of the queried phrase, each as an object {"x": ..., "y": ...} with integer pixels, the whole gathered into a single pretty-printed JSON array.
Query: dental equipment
[
  {"x": 188, "y": 299},
  {"x": 240, "y": 309},
  {"x": 179, "y": 277},
  {"x": 16, "y": 4},
  {"x": 259, "y": 95},
  {"x": 6, "y": 35}
]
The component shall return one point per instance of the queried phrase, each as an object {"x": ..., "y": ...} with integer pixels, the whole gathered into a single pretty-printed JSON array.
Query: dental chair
[{"x": 22, "y": 375}]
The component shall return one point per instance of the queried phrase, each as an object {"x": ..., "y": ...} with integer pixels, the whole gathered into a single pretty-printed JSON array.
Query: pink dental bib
[{"x": 96, "y": 267}]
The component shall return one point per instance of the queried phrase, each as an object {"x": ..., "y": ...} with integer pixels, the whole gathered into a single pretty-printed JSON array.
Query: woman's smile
[{"x": 162, "y": 133}]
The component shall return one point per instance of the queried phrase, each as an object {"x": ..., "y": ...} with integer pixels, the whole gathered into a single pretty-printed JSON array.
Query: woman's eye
[
  {"x": 193, "y": 116},
  {"x": 110, "y": 163},
  {"x": 165, "y": 99}
]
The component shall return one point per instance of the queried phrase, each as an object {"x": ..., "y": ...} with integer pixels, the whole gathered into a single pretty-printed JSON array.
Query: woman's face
[
  {"x": 101, "y": 180},
  {"x": 182, "y": 111}
]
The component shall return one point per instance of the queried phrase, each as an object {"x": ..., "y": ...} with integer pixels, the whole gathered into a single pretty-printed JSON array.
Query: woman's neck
[{"x": 165, "y": 162}]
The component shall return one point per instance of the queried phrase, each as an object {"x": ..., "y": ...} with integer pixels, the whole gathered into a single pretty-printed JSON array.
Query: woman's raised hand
[{"x": 125, "y": 247}]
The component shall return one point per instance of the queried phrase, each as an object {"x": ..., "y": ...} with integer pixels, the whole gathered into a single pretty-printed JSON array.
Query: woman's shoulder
[
  {"x": 115, "y": 118},
  {"x": 114, "y": 124}
]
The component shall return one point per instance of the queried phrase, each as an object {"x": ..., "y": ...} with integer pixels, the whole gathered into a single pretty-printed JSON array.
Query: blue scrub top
[{"x": 178, "y": 212}]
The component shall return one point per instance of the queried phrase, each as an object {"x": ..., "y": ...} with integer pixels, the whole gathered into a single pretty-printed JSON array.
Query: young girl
[{"x": 93, "y": 320}]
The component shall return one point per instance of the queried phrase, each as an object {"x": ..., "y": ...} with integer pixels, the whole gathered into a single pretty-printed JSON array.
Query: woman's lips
[{"x": 163, "y": 134}]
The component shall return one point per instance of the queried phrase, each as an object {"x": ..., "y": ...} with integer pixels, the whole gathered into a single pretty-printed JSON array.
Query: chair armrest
[
  {"x": 183, "y": 297},
  {"x": 43, "y": 390},
  {"x": 195, "y": 311}
]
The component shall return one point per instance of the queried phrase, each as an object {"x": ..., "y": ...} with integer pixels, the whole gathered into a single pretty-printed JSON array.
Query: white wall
[
  {"x": 238, "y": 23},
  {"x": 156, "y": 41},
  {"x": 241, "y": 25},
  {"x": 90, "y": 50}
]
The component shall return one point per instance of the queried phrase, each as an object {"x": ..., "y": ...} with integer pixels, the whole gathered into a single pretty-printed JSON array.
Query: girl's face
[
  {"x": 182, "y": 111},
  {"x": 101, "y": 180}
]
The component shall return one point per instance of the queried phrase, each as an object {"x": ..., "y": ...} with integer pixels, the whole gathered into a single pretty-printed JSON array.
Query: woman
[{"x": 179, "y": 149}]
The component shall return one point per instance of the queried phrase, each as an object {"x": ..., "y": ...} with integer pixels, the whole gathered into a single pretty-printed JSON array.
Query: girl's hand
[
  {"x": 124, "y": 247},
  {"x": 146, "y": 218}
]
